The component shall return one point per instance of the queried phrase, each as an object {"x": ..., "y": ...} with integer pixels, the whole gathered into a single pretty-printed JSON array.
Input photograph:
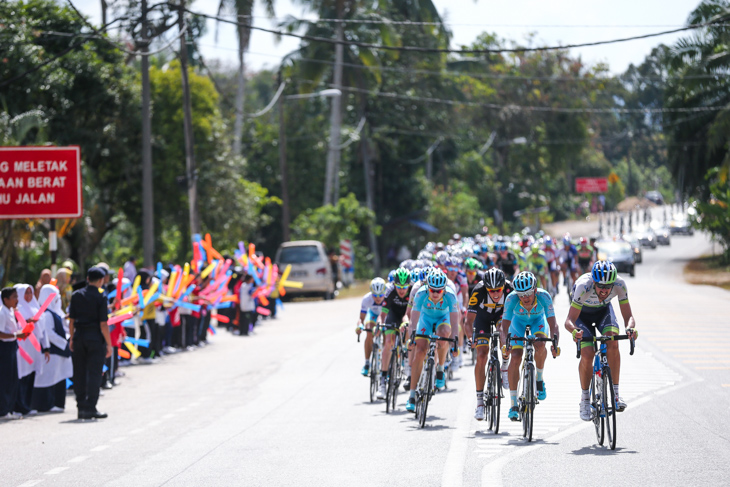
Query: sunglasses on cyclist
[
  {"x": 499, "y": 289},
  {"x": 525, "y": 294},
  {"x": 453, "y": 269},
  {"x": 378, "y": 295},
  {"x": 604, "y": 286},
  {"x": 435, "y": 291},
  {"x": 404, "y": 286}
]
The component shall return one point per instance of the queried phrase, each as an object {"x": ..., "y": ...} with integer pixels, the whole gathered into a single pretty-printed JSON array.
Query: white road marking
[
  {"x": 118, "y": 439},
  {"x": 168, "y": 416},
  {"x": 136, "y": 430},
  {"x": 100, "y": 448},
  {"x": 30, "y": 483},
  {"x": 78, "y": 459},
  {"x": 154, "y": 423},
  {"x": 56, "y": 471},
  {"x": 454, "y": 465}
]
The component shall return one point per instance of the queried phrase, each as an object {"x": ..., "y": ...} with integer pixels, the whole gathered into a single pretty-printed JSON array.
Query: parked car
[
  {"x": 655, "y": 197},
  {"x": 309, "y": 265},
  {"x": 681, "y": 225},
  {"x": 662, "y": 232},
  {"x": 620, "y": 253},
  {"x": 647, "y": 237},
  {"x": 636, "y": 245}
]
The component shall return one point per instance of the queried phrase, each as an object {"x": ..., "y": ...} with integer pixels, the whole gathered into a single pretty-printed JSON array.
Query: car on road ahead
[
  {"x": 309, "y": 265},
  {"x": 663, "y": 235},
  {"x": 655, "y": 197},
  {"x": 620, "y": 253},
  {"x": 636, "y": 245},
  {"x": 681, "y": 225},
  {"x": 647, "y": 237}
]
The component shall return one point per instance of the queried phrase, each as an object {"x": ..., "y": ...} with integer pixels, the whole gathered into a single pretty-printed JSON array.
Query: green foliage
[
  {"x": 453, "y": 210},
  {"x": 713, "y": 215},
  {"x": 616, "y": 191}
]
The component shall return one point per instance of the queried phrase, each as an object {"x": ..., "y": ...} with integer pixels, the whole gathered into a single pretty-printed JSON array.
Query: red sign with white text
[
  {"x": 40, "y": 182},
  {"x": 591, "y": 185}
]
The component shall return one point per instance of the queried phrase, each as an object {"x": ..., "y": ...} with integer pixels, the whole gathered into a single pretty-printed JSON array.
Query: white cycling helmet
[{"x": 377, "y": 286}]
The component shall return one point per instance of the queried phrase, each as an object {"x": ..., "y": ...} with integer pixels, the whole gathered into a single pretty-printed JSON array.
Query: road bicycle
[
  {"x": 493, "y": 390},
  {"x": 603, "y": 400},
  {"x": 426, "y": 382},
  {"x": 375, "y": 358},
  {"x": 395, "y": 367},
  {"x": 528, "y": 396}
]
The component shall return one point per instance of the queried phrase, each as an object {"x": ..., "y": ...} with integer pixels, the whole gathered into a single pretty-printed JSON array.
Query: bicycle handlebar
[
  {"x": 604, "y": 338},
  {"x": 532, "y": 339},
  {"x": 435, "y": 337}
]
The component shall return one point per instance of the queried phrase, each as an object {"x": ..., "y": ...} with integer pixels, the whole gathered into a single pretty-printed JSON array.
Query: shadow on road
[{"x": 601, "y": 451}]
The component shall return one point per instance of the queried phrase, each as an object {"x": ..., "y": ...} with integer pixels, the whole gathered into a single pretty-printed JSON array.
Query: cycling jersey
[
  {"x": 417, "y": 286},
  {"x": 586, "y": 299},
  {"x": 552, "y": 258},
  {"x": 477, "y": 279},
  {"x": 433, "y": 314},
  {"x": 369, "y": 307},
  {"x": 395, "y": 306},
  {"x": 520, "y": 317},
  {"x": 488, "y": 312},
  {"x": 508, "y": 263},
  {"x": 537, "y": 262},
  {"x": 568, "y": 256}
]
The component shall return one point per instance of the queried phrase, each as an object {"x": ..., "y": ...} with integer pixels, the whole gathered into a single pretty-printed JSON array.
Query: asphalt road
[{"x": 289, "y": 407}]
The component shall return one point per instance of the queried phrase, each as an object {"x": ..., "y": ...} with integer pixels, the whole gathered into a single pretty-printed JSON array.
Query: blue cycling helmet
[
  {"x": 425, "y": 271},
  {"x": 500, "y": 246},
  {"x": 548, "y": 241},
  {"x": 604, "y": 272},
  {"x": 437, "y": 279},
  {"x": 391, "y": 276},
  {"x": 415, "y": 274},
  {"x": 524, "y": 282}
]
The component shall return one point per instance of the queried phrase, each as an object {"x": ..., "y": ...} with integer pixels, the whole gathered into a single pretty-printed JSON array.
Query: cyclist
[
  {"x": 527, "y": 305},
  {"x": 370, "y": 309},
  {"x": 485, "y": 309},
  {"x": 474, "y": 274},
  {"x": 506, "y": 260},
  {"x": 586, "y": 255},
  {"x": 393, "y": 313},
  {"x": 552, "y": 259},
  {"x": 591, "y": 310},
  {"x": 435, "y": 311},
  {"x": 537, "y": 263},
  {"x": 568, "y": 259}
]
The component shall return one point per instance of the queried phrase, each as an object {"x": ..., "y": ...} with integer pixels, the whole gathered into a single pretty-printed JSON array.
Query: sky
[{"x": 554, "y": 22}]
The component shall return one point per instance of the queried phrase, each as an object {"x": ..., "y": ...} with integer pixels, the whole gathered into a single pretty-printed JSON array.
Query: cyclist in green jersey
[{"x": 537, "y": 264}]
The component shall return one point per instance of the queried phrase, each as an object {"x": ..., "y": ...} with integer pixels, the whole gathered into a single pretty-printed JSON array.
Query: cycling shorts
[
  {"x": 393, "y": 319},
  {"x": 428, "y": 325},
  {"x": 518, "y": 327},
  {"x": 371, "y": 317},
  {"x": 483, "y": 326},
  {"x": 602, "y": 319}
]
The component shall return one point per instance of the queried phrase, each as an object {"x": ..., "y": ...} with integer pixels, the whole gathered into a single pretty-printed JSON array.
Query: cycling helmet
[
  {"x": 500, "y": 246},
  {"x": 437, "y": 279},
  {"x": 494, "y": 278},
  {"x": 535, "y": 249},
  {"x": 583, "y": 241},
  {"x": 425, "y": 271},
  {"x": 472, "y": 264},
  {"x": 377, "y": 286},
  {"x": 566, "y": 239},
  {"x": 391, "y": 275},
  {"x": 604, "y": 272},
  {"x": 442, "y": 257},
  {"x": 416, "y": 274},
  {"x": 402, "y": 277},
  {"x": 548, "y": 241},
  {"x": 525, "y": 281}
]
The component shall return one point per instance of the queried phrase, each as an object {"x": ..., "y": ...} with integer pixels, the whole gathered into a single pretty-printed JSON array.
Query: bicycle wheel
[
  {"x": 489, "y": 396},
  {"x": 609, "y": 404},
  {"x": 529, "y": 406},
  {"x": 395, "y": 380},
  {"x": 374, "y": 373},
  {"x": 427, "y": 395},
  {"x": 496, "y": 397},
  {"x": 389, "y": 391},
  {"x": 597, "y": 409}
]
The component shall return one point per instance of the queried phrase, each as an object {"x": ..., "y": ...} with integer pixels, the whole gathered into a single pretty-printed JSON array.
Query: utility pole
[
  {"x": 370, "y": 199},
  {"x": 192, "y": 178},
  {"x": 244, "y": 32},
  {"x": 285, "y": 216},
  {"x": 331, "y": 188},
  {"x": 148, "y": 223}
]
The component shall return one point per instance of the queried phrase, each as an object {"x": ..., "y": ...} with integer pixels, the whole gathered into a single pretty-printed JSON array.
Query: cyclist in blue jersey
[
  {"x": 435, "y": 311},
  {"x": 372, "y": 304},
  {"x": 527, "y": 305}
]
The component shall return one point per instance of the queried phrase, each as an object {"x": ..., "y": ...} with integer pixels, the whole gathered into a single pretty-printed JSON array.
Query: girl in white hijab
[
  {"x": 28, "y": 306},
  {"x": 50, "y": 385}
]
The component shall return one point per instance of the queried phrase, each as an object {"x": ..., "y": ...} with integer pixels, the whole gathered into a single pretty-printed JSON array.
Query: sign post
[
  {"x": 39, "y": 183},
  {"x": 591, "y": 185}
]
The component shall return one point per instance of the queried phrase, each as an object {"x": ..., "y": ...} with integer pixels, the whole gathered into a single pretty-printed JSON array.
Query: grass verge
[{"x": 709, "y": 270}]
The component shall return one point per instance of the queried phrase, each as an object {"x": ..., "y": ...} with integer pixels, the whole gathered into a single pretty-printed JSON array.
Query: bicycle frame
[{"x": 426, "y": 382}]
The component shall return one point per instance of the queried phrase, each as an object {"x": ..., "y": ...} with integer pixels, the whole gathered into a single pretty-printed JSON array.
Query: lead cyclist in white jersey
[
  {"x": 591, "y": 310},
  {"x": 370, "y": 308}
]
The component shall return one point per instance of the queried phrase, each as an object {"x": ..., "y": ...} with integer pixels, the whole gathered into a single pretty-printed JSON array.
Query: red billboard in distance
[
  {"x": 591, "y": 185},
  {"x": 40, "y": 182}
]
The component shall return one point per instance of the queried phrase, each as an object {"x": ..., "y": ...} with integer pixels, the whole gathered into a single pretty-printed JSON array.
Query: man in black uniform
[
  {"x": 486, "y": 304},
  {"x": 393, "y": 313},
  {"x": 90, "y": 342}
]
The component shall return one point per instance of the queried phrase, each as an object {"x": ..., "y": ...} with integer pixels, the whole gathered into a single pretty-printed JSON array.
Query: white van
[{"x": 309, "y": 265}]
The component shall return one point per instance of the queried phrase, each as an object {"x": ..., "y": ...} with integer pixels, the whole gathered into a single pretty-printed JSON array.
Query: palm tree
[{"x": 243, "y": 9}]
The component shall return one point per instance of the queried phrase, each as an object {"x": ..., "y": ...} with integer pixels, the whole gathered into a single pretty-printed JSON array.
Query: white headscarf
[
  {"x": 55, "y": 305},
  {"x": 27, "y": 308}
]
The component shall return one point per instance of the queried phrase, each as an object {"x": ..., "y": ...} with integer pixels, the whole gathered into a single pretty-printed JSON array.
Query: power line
[{"x": 446, "y": 50}]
